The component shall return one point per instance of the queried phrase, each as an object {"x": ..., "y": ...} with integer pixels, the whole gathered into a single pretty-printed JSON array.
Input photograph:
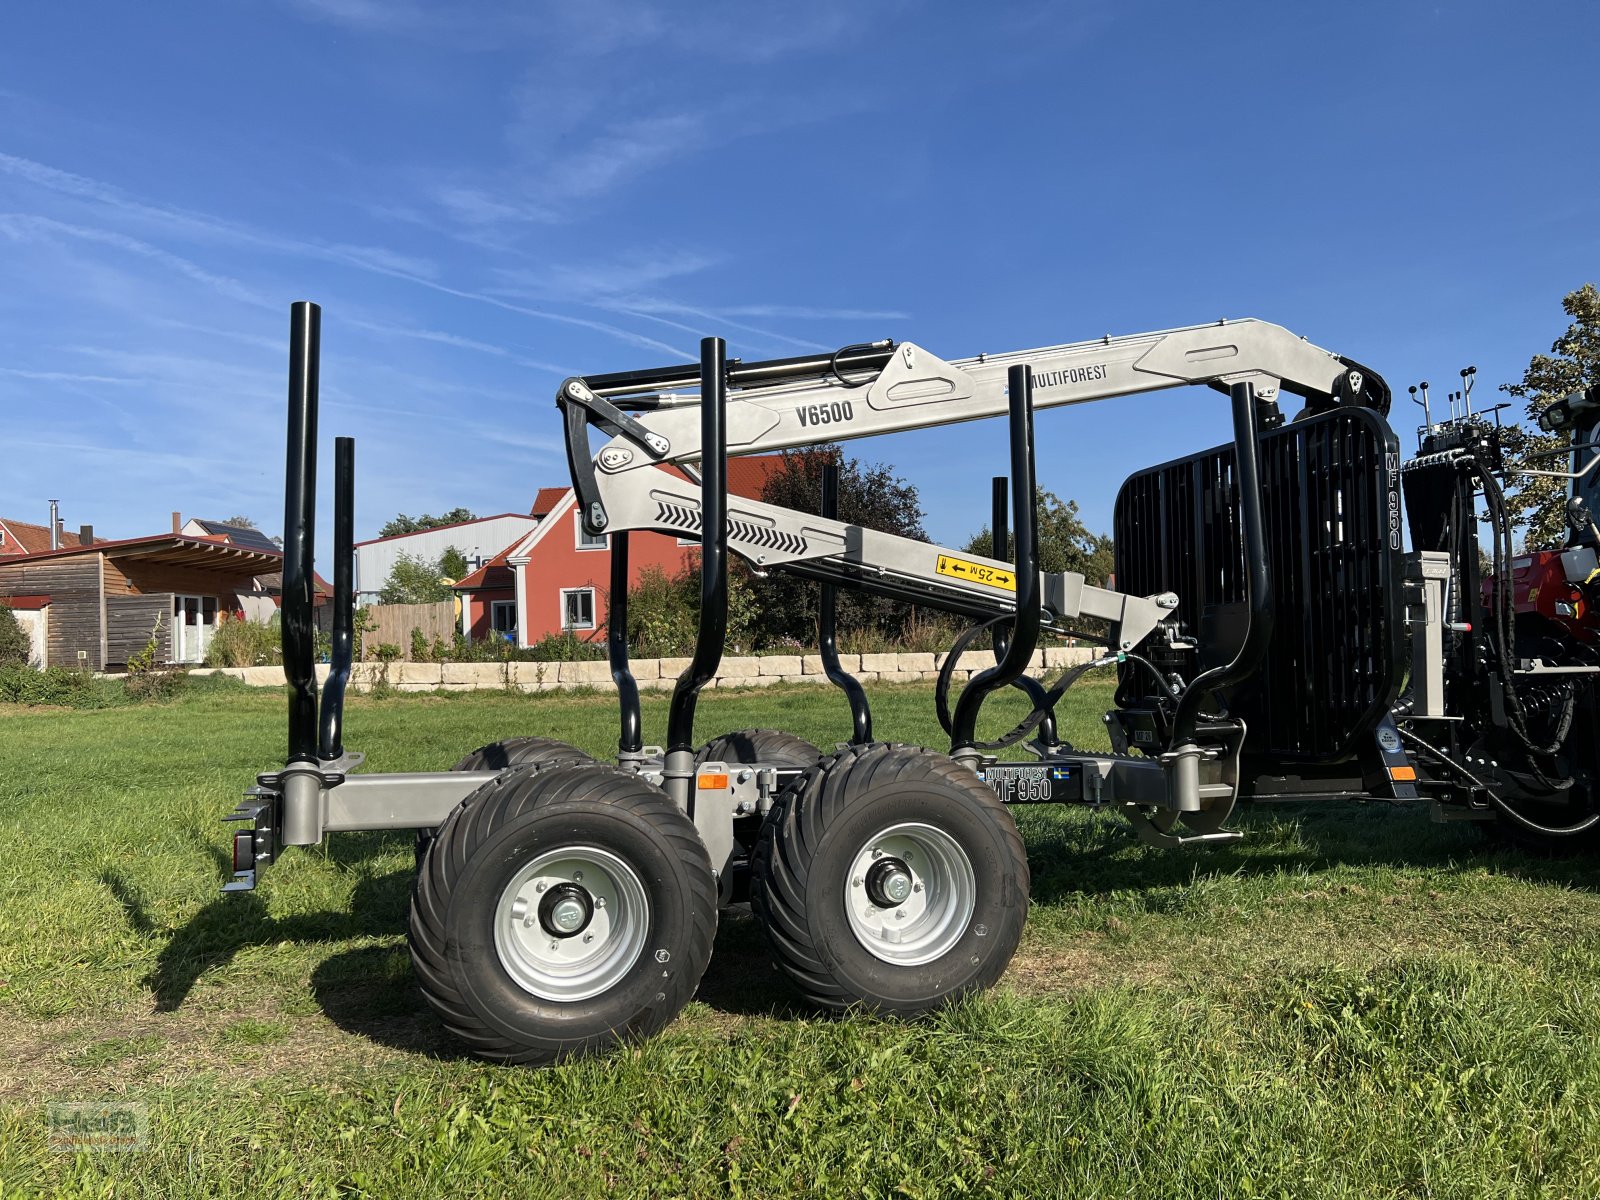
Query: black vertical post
[
  {"x": 1000, "y": 527},
  {"x": 629, "y": 739},
  {"x": 827, "y": 628},
  {"x": 1025, "y": 629},
  {"x": 713, "y": 629},
  {"x": 1258, "y": 572},
  {"x": 299, "y": 530},
  {"x": 344, "y": 555}
]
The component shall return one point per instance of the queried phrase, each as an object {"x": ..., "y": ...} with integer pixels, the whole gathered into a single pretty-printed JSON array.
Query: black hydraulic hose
[
  {"x": 1583, "y": 826},
  {"x": 1043, "y": 707},
  {"x": 1000, "y": 547},
  {"x": 1025, "y": 630},
  {"x": 712, "y": 632},
  {"x": 299, "y": 531},
  {"x": 1504, "y": 610},
  {"x": 342, "y": 651},
  {"x": 828, "y": 632},
  {"x": 1258, "y": 634},
  {"x": 630, "y": 739}
]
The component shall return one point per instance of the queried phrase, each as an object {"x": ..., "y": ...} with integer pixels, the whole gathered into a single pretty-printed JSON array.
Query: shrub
[
  {"x": 15, "y": 645},
  {"x": 148, "y": 677},
  {"x": 419, "y": 646},
  {"x": 664, "y": 612},
  {"x": 241, "y": 642},
  {"x": 562, "y": 647},
  {"x": 21, "y": 684}
]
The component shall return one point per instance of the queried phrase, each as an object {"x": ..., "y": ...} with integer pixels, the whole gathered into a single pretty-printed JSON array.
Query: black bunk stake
[
  {"x": 629, "y": 740},
  {"x": 344, "y": 555},
  {"x": 827, "y": 621},
  {"x": 1025, "y": 629},
  {"x": 1258, "y": 634},
  {"x": 1037, "y": 693},
  {"x": 299, "y": 530},
  {"x": 713, "y": 628}
]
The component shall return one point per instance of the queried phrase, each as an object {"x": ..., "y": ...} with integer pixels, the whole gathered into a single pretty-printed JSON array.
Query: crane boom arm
[{"x": 883, "y": 388}]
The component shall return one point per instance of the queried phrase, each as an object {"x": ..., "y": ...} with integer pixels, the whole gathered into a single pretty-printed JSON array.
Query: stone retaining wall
[{"x": 653, "y": 674}]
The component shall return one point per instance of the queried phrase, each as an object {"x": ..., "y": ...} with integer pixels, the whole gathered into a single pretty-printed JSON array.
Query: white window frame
[
  {"x": 494, "y": 607},
  {"x": 580, "y": 539},
  {"x": 593, "y": 616}
]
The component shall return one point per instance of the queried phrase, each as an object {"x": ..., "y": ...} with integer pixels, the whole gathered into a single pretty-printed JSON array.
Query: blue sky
[{"x": 485, "y": 198}]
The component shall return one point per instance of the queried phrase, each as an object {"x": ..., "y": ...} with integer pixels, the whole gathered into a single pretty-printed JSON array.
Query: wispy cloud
[
  {"x": 69, "y": 377},
  {"x": 201, "y": 226},
  {"x": 366, "y": 259},
  {"x": 25, "y": 226},
  {"x": 453, "y": 339},
  {"x": 587, "y": 282}
]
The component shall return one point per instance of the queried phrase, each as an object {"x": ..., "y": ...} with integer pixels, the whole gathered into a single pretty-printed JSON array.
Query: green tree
[
  {"x": 15, "y": 645},
  {"x": 452, "y": 563},
  {"x": 414, "y": 581},
  {"x": 870, "y": 495},
  {"x": 1065, "y": 543},
  {"x": 1539, "y": 503},
  {"x": 405, "y": 524},
  {"x": 241, "y": 523}
]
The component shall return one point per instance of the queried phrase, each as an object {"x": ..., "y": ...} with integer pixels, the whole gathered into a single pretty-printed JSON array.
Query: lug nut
[{"x": 539, "y": 887}]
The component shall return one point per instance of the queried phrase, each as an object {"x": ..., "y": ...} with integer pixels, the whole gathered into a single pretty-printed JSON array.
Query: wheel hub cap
[
  {"x": 571, "y": 923},
  {"x": 911, "y": 894},
  {"x": 565, "y": 910},
  {"x": 889, "y": 883}
]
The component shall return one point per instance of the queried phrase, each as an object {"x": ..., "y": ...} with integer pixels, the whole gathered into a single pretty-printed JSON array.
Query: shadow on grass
[
  {"x": 1074, "y": 855},
  {"x": 231, "y": 923},
  {"x": 369, "y": 990}
]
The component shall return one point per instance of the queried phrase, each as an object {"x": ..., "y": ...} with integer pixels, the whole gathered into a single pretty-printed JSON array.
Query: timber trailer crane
[{"x": 564, "y": 904}]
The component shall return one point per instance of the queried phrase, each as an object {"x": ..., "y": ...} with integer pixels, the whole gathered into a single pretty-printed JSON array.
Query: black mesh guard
[{"x": 1331, "y": 500}]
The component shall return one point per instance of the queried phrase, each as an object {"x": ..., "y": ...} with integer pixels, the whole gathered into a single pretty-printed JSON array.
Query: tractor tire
[
  {"x": 499, "y": 756},
  {"x": 890, "y": 877},
  {"x": 564, "y": 908},
  {"x": 769, "y": 747},
  {"x": 514, "y": 752}
]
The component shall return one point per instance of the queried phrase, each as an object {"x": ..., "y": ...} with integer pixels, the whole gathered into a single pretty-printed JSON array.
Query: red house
[{"x": 554, "y": 578}]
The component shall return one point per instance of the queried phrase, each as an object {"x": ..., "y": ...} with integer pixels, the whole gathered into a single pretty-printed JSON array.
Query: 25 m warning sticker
[{"x": 976, "y": 572}]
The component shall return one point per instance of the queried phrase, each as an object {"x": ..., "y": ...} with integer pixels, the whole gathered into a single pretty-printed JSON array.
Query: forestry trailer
[{"x": 1272, "y": 638}]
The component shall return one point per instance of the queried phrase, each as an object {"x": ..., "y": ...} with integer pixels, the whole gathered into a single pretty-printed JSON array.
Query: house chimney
[
  {"x": 55, "y": 525},
  {"x": 85, "y": 535},
  {"x": 177, "y": 523}
]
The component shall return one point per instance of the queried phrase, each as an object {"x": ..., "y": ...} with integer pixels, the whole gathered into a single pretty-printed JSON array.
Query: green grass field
[{"x": 1351, "y": 1002}]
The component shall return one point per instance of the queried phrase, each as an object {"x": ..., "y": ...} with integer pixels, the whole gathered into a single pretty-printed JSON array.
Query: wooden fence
[{"x": 396, "y": 621}]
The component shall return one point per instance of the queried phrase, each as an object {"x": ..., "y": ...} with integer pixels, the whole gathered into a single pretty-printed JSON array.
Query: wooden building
[{"x": 101, "y": 602}]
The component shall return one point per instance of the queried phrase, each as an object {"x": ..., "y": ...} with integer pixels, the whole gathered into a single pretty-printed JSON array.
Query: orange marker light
[
  {"x": 713, "y": 783},
  {"x": 1403, "y": 774}
]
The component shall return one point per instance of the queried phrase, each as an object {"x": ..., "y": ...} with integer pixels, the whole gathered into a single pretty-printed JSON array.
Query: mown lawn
[{"x": 1351, "y": 1002}]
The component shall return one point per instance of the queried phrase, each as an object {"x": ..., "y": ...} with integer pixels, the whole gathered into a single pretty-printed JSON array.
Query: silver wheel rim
[
  {"x": 939, "y": 885},
  {"x": 594, "y": 956}
]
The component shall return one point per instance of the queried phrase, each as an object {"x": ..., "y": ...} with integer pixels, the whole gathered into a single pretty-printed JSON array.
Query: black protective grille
[{"x": 1331, "y": 506}]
